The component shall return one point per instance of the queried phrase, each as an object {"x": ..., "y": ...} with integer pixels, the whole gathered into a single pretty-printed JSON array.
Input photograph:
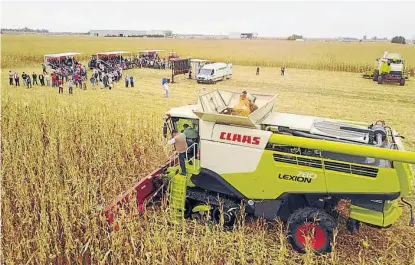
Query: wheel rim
[
  {"x": 315, "y": 232},
  {"x": 228, "y": 217}
]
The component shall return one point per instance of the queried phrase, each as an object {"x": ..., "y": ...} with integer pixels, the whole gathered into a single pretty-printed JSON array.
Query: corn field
[{"x": 65, "y": 157}]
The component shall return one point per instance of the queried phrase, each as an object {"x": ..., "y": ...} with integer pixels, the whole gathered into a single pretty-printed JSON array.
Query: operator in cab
[
  {"x": 180, "y": 144},
  {"x": 191, "y": 138},
  {"x": 191, "y": 134}
]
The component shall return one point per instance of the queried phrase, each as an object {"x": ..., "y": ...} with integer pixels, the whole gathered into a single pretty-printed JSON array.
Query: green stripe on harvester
[
  {"x": 345, "y": 148},
  {"x": 177, "y": 197}
]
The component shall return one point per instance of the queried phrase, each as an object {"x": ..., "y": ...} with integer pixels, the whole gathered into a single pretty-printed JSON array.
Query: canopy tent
[
  {"x": 197, "y": 64},
  {"x": 59, "y": 56},
  {"x": 150, "y": 51},
  {"x": 100, "y": 55}
]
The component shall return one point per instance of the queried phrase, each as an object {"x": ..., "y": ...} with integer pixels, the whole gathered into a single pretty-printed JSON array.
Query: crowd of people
[
  {"x": 28, "y": 79},
  {"x": 151, "y": 61},
  {"x": 45, "y": 79}
]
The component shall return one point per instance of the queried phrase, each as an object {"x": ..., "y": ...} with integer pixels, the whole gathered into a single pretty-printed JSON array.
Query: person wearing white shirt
[{"x": 166, "y": 90}]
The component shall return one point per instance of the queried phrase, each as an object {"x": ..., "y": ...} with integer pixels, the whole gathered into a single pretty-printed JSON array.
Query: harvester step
[{"x": 178, "y": 197}]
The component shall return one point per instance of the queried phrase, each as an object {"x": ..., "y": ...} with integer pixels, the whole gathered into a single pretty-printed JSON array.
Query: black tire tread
[{"x": 308, "y": 214}]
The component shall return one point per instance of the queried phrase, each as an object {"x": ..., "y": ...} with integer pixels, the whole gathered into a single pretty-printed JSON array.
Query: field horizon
[{"x": 314, "y": 55}]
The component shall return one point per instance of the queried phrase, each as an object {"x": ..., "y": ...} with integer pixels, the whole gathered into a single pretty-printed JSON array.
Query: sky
[{"x": 269, "y": 19}]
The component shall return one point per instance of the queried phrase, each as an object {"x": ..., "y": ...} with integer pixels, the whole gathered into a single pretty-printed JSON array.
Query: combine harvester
[
  {"x": 389, "y": 68},
  {"x": 279, "y": 165}
]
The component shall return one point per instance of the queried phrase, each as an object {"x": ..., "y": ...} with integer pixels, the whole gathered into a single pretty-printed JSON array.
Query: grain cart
[
  {"x": 390, "y": 68},
  {"x": 279, "y": 165}
]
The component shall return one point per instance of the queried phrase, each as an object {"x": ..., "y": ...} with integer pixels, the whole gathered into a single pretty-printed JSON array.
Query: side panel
[
  {"x": 343, "y": 177},
  {"x": 271, "y": 179},
  {"x": 232, "y": 149},
  {"x": 228, "y": 158}
]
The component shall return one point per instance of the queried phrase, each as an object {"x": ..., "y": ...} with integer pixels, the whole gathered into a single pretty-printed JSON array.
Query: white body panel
[
  {"x": 214, "y": 72},
  {"x": 206, "y": 129},
  {"x": 396, "y": 67},
  {"x": 293, "y": 121},
  {"x": 231, "y": 149},
  {"x": 228, "y": 158},
  {"x": 183, "y": 112},
  {"x": 319, "y": 126}
]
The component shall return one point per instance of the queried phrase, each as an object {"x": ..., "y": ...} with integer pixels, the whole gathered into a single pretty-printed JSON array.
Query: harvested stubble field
[{"x": 64, "y": 156}]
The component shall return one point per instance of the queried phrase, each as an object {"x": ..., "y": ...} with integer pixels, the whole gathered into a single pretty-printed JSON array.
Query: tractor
[
  {"x": 277, "y": 166},
  {"x": 390, "y": 68}
]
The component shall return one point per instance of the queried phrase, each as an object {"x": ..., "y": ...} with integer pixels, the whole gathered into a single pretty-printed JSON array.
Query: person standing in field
[
  {"x": 16, "y": 79},
  {"x": 41, "y": 79},
  {"x": 257, "y": 71},
  {"x": 132, "y": 81},
  {"x": 54, "y": 80},
  {"x": 110, "y": 83},
  {"x": 126, "y": 80},
  {"x": 60, "y": 84},
  {"x": 24, "y": 79},
  {"x": 34, "y": 76},
  {"x": 76, "y": 76},
  {"x": 282, "y": 70},
  {"x": 70, "y": 86},
  {"x": 93, "y": 81},
  {"x": 166, "y": 88},
  {"x": 47, "y": 79},
  {"x": 28, "y": 81},
  {"x": 11, "y": 77},
  {"x": 80, "y": 82}
]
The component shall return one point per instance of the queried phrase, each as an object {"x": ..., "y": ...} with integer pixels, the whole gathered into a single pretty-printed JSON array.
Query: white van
[{"x": 210, "y": 73}]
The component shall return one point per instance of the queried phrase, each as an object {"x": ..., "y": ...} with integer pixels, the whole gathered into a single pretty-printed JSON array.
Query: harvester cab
[
  {"x": 390, "y": 68},
  {"x": 279, "y": 166}
]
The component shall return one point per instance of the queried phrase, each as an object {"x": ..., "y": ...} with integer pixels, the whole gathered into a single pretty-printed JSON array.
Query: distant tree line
[
  {"x": 295, "y": 37},
  {"x": 398, "y": 39},
  {"x": 25, "y": 29}
]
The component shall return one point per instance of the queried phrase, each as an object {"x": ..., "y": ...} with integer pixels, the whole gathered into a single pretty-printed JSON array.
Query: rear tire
[{"x": 317, "y": 224}]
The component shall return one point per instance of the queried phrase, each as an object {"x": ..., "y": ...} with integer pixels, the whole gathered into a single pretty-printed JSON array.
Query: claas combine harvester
[
  {"x": 279, "y": 165},
  {"x": 389, "y": 68}
]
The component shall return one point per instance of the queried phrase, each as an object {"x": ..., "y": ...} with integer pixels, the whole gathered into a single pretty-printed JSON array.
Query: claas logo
[{"x": 235, "y": 137}]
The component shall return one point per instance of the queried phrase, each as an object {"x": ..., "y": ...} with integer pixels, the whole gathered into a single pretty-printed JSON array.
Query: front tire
[
  {"x": 380, "y": 80},
  {"x": 228, "y": 215},
  {"x": 314, "y": 223},
  {"x": 375, "y": 75},
  {"x": 402, "y": 82}
]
